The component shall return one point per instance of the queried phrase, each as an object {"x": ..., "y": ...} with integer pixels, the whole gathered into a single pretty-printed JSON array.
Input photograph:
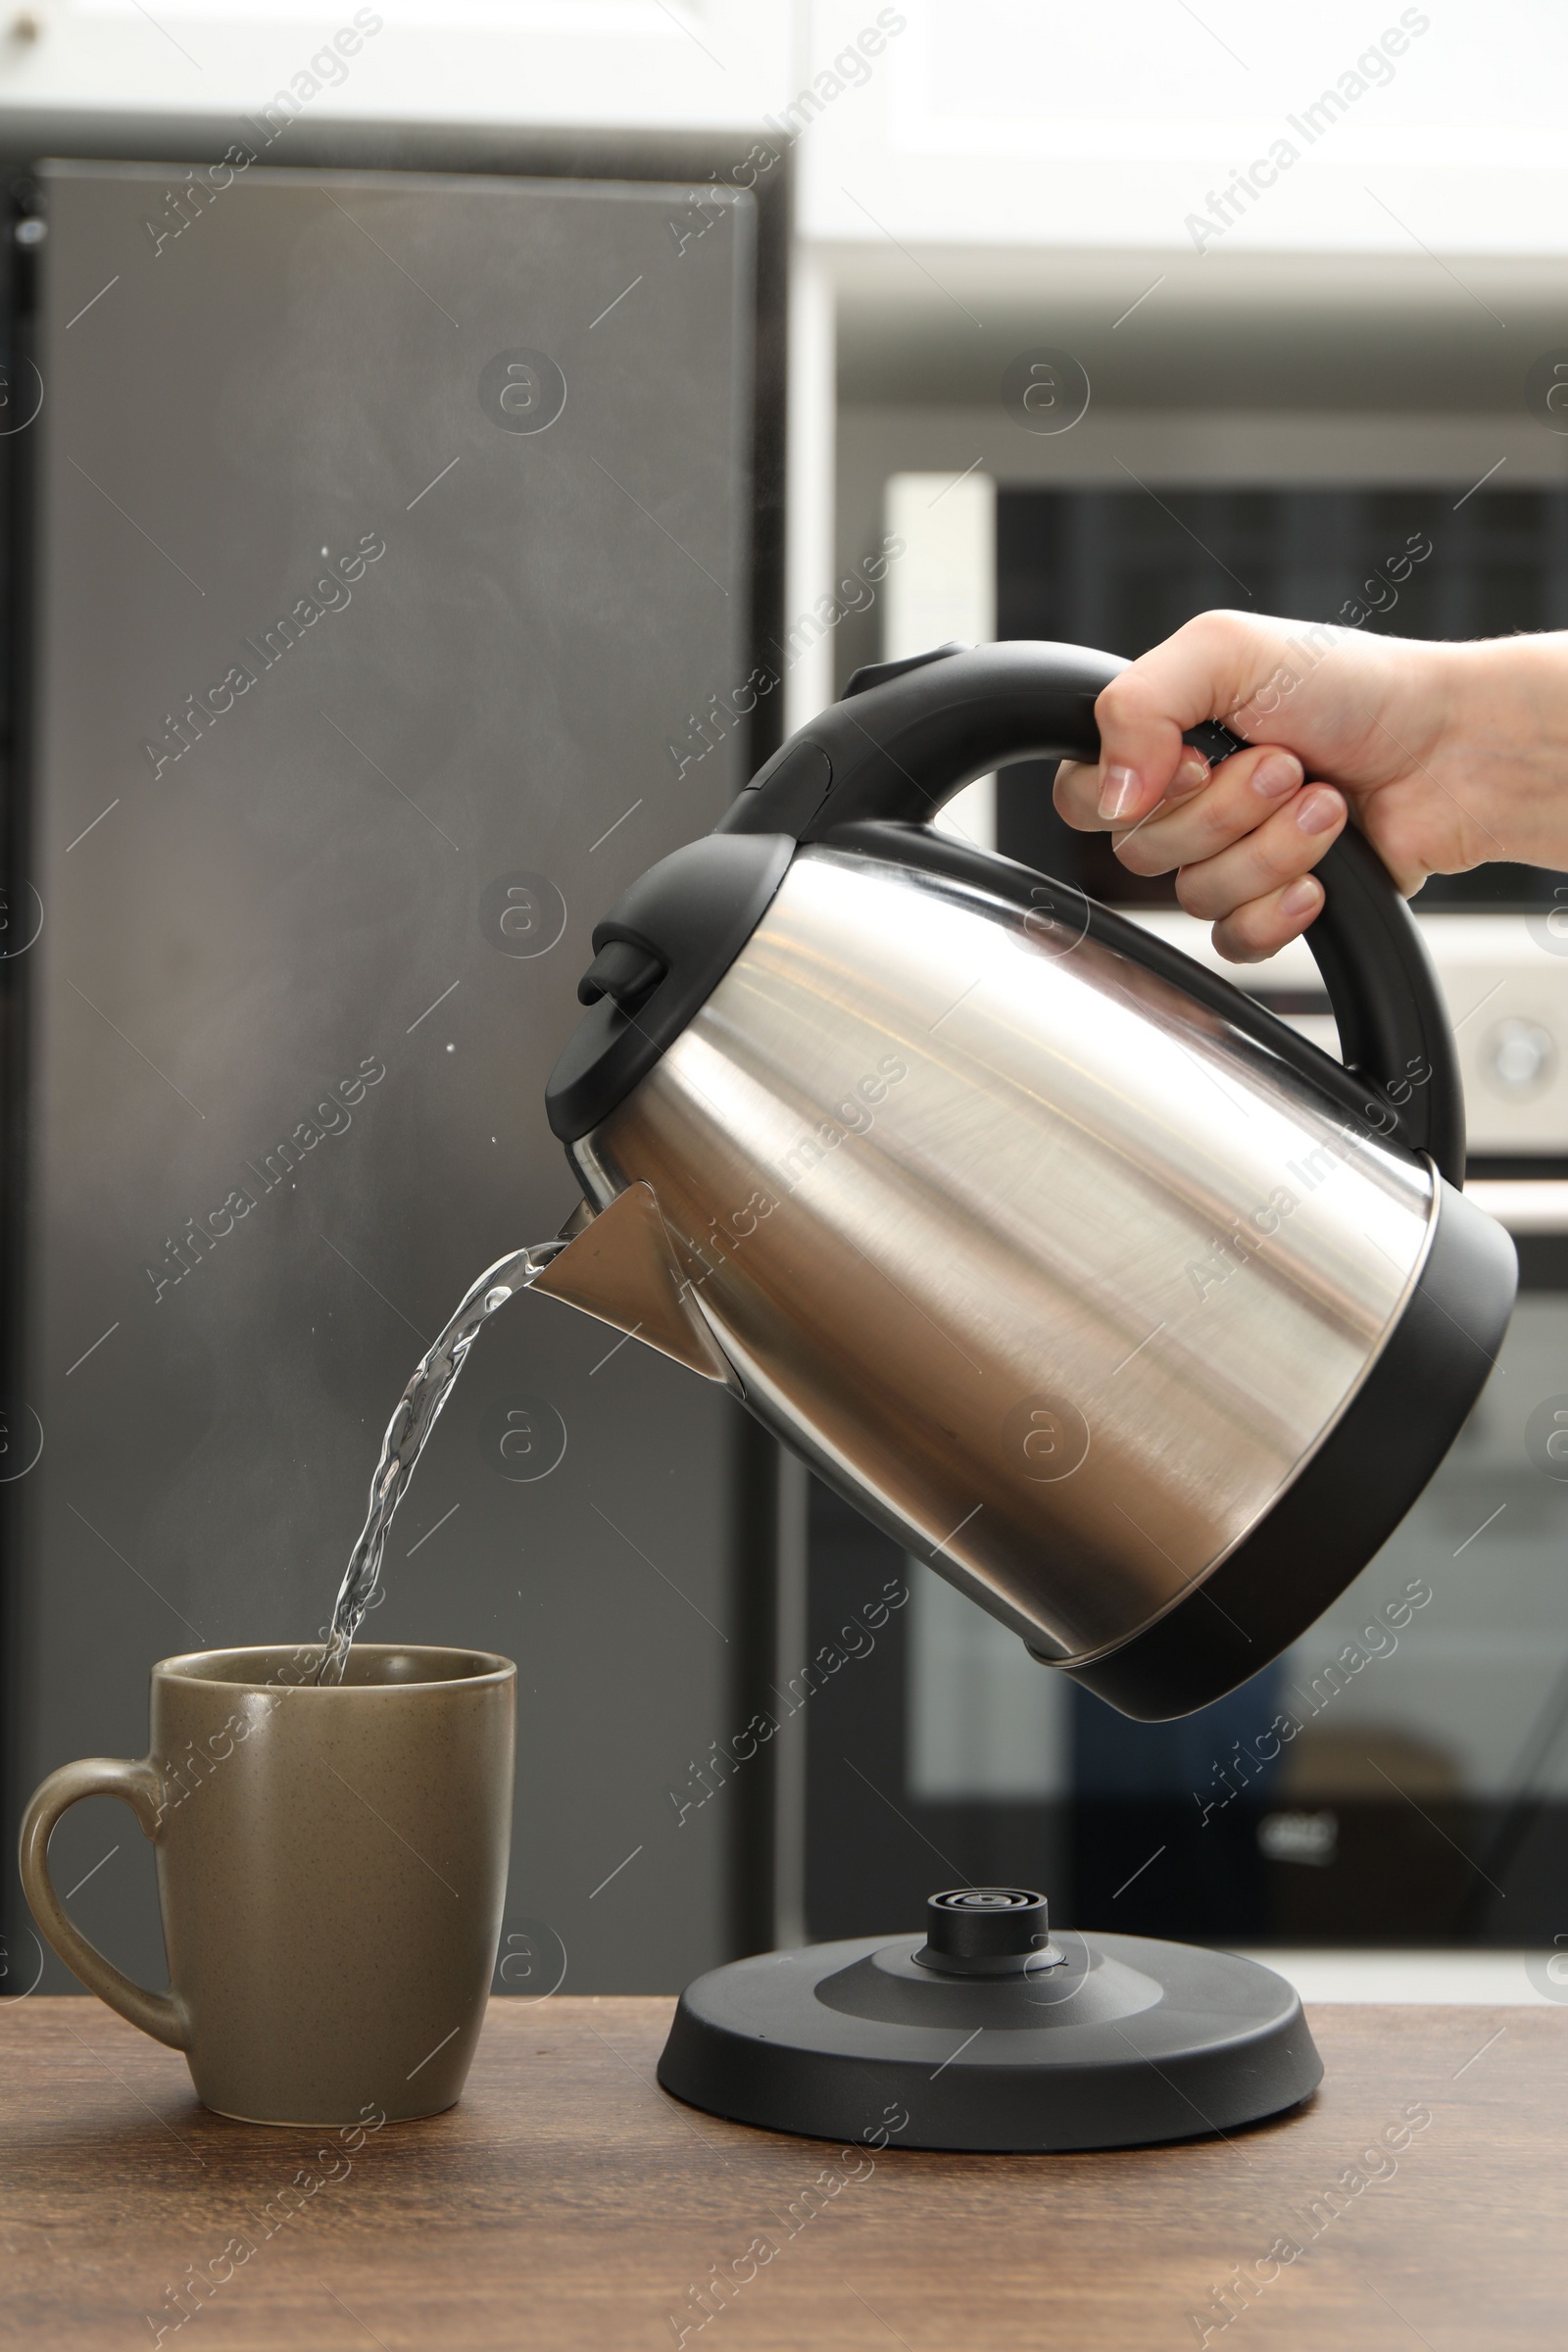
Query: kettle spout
[{"x": 620, "y": 1267}]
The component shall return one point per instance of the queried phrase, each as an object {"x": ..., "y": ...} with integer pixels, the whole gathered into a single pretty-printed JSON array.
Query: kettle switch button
[
  {"x": 797, "y": 780},
  {"x": 877, "y": 673},
  {"x": 1214, "y": 740}
]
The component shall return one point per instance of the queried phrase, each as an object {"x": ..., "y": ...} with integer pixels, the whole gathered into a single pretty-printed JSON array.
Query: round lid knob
[{"x": 987, "y": 1932}]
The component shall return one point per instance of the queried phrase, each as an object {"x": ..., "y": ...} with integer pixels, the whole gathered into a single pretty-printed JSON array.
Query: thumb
[{"x": 1217, "y": 667}]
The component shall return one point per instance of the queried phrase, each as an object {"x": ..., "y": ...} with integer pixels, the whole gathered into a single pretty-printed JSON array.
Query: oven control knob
[{"x": 1520, "y": 1056}]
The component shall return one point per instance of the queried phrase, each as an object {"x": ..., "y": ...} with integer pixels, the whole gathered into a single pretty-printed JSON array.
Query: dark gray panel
[{"x": 310, "y": 890}]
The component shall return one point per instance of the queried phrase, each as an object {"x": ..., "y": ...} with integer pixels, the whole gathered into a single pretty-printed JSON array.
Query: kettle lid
[{"x": 659, "y": 954}]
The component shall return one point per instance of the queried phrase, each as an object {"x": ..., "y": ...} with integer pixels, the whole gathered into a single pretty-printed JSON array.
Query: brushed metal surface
[
  {"x": 1058, "y": 1274},
  {"x": 622, "y": 1270}
]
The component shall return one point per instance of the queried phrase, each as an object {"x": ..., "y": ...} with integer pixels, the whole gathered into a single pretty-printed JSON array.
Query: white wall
[
  {"x": 980, "y": 122},
  {"x": 1006, "y": 121},
  {"x": 690, "y": 62},
  {"x": 942, "y": 589}
]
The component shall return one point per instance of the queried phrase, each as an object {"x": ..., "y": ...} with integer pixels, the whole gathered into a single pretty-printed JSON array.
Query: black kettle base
[{"x": 1099, "y": 2041}]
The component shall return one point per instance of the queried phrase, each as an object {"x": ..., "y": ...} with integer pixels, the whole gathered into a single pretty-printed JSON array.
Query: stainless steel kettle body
[{"x": 1138, "y": 1318}]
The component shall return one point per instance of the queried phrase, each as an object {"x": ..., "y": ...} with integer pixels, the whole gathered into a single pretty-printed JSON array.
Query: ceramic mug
[{"x": 332, "y": 1871}]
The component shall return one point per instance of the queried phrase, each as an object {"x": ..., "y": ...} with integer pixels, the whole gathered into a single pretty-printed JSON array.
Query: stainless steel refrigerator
[{"x": 378, "y": 538}]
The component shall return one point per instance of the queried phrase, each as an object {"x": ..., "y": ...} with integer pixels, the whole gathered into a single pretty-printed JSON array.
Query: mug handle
[{"x": 140, "y": 1785}]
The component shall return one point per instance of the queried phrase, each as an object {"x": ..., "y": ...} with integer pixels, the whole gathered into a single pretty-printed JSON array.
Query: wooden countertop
[{"x": 566, "y": 2202}]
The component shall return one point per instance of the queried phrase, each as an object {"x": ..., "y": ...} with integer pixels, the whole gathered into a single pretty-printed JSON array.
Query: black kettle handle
[{"x": 908, "y": 735}]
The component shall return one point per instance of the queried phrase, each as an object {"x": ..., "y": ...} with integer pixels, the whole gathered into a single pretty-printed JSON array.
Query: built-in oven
[{"x": 1402, "y": 1773}]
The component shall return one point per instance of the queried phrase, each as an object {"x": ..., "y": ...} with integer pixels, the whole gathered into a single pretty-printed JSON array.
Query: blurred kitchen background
[{"x": 663, "y": 346}]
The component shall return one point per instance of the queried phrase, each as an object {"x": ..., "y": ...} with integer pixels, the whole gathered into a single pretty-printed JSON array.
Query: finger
[
  {"x": 1288, "y": 846},
  {"x": 1244, "y": 791},
  {"x": 1078, "y": 789},
  {"x": 1265, "y": 926},
  {"x": 1207, "y": 669},
  {"x": 1076, "y": 793}
]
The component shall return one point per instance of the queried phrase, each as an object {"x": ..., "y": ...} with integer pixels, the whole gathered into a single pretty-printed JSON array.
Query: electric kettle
[{"x": 1096, "y": 1286}]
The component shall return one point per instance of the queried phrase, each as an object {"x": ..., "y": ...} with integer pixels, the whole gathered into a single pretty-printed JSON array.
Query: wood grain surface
[{"x": 566, "y": 2202}]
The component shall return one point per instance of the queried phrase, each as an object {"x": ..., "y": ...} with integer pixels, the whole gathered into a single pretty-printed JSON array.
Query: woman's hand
[{"x": 1447, "y": 756}]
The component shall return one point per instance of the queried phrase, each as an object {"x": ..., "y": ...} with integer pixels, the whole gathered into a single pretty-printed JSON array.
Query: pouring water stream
[{"x": 419, "y": 1409}]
